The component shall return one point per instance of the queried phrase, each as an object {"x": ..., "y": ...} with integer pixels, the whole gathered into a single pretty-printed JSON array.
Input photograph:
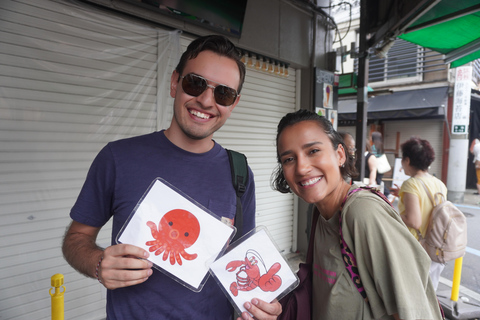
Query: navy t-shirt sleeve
[{"x": 96, "y": 195}]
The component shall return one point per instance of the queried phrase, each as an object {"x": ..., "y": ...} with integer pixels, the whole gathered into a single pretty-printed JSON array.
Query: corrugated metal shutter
[
  {"x": 251, "y": 129},
  {"x": 67, "y": 81},
  {"x": 66, "y": 91}
]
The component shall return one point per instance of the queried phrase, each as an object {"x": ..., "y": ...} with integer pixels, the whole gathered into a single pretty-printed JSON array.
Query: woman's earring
[{"x": 343, "y": 165}]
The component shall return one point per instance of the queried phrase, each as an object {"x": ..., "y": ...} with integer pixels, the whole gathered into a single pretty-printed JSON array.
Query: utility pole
[{"x": 362, "y": 92}]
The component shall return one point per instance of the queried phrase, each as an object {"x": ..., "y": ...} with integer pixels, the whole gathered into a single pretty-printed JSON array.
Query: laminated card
[
  {"x": 253, "y": 268},
  {"x": 183, "y": 238}
]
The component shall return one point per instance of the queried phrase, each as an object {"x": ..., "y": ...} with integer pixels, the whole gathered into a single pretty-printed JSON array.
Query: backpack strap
[
  {"x": 433, "y": 199},
  {"x": 311, "y": 242},
  {"x": 239, "y": 170}
]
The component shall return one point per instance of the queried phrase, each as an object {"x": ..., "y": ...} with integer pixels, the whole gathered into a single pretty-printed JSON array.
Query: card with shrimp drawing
[
  {"x": 183, "y": 237},
  {"x": 253, "y": 267}
]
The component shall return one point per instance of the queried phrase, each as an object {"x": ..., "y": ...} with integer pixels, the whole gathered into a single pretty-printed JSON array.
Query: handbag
[
  {"x": 477, "y": 164},
  {"x": 382, "y": 164},
  {"x": 297, "y": 305}
]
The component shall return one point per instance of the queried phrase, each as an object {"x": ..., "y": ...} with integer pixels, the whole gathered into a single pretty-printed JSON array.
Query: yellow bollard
[
  {"x": 58, "y": 307},
  {"x": 457, "y": 274}
]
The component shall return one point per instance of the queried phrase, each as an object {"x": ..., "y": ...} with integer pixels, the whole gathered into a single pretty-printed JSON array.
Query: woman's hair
[
  {"x": 278, "y": 179},
  {"x": 419, "y": 151},
  {"x": 217, "y": 44},
  {"x": 377, "y": 141}
]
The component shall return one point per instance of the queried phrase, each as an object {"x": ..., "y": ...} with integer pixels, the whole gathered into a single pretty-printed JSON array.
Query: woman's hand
[
  {"x": 395, "y": 191},
  {"x": 261, "y": 310}
]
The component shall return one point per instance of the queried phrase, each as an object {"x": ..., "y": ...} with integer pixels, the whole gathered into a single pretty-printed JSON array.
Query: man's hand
[
  {"x": 261, "y": 310},
  {"x": 123, "y": 265}
]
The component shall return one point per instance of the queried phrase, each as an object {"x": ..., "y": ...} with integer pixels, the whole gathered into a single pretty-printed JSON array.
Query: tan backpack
[{"x": 446, "y": 235}]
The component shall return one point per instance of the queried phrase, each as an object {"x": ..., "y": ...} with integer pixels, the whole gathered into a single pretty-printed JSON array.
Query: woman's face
[
  {"x": 309, "y": 162},
  {"x": 406, "y": 166}
]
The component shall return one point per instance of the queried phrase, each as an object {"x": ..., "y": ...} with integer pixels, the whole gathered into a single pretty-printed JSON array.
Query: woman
[
  {"x": 475, "y": 150},
  {"x": 371, "y": 167},
  {"x": 415, "y": 205},
  {"x": 313, "y": 164},
  {"x": 349, "y": 142},
  {"x": 378, "y": 151}
]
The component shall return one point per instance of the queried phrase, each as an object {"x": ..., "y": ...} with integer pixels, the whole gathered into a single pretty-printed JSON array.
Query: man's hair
[{"x": 217, "y": 44}]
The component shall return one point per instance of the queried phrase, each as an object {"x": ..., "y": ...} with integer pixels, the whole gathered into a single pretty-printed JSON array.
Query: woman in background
[
  {"x": 350, "y": 144},
  {"x": 475, "y": 150},
  {"x": 378, "y": 151},
  {"x": 414, "y": 205},
  {"x": 313, "y": 164},
  {"x": 371, "y": 167}
]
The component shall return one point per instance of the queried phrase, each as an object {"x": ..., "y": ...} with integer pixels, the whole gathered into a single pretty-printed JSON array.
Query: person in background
[
  {"x": 475, "y": 150},
  {"x": 371, "y": 166},
  {"x": 378, "y": 151},
  {"x": 313, "y": 164},
  {"x": 415, "y": 206},
  {"x": 350, "y": 144},
  {"x": 206, "y": 87}
]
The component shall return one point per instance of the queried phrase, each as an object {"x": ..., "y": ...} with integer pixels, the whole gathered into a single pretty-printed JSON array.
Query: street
[{"x": 468, "y": 304}]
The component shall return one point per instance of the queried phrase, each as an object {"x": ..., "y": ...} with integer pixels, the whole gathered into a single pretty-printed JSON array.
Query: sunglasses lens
[
  {"x": 194, "y": 85},
  {"x": 224, "y": 95}
]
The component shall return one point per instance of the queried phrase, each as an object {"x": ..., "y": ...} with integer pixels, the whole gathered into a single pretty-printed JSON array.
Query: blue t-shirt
[{"x": 118, "y": 178}]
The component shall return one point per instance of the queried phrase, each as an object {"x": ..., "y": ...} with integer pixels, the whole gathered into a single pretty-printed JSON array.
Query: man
[{"x": 205, "y": 85}]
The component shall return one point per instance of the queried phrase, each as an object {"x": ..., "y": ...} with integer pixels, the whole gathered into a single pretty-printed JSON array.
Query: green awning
[{"x": 451, "y": 27}]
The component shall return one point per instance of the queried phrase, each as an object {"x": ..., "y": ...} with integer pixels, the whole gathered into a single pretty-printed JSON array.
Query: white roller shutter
[{"x": 73, "y": 79}]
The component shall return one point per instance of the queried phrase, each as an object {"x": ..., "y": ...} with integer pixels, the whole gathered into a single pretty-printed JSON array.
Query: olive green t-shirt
[{"x": 392, "y": 265}]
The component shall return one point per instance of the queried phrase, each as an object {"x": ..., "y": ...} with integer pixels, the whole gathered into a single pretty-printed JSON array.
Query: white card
[
  {"x": 182, "y": 237},
  {"x": 253, "y": 268}
]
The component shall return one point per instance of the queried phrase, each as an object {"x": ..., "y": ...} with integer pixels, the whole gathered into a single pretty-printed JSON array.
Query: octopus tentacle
[
  {"x": 188, "y": 256},
  {"x": 154, "y": 229}
]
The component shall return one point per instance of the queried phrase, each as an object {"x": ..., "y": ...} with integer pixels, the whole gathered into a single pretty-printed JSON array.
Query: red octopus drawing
[
  {"x": 178, "y": 229},
  {"x": 249, "y": 275}
]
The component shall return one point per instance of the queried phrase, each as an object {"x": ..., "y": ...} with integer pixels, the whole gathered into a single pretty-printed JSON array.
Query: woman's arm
[
  {"x": 372, "y": 165},
  {"x": 412, "y": 216},
  {"x": 472, "y": 145}
]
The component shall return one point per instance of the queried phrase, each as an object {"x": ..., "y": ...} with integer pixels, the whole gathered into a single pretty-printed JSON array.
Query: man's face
[{"x": 199, "y": 117}]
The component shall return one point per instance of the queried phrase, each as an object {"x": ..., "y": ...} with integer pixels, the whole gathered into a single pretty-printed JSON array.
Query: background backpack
[{"x": 446, "y": 235}]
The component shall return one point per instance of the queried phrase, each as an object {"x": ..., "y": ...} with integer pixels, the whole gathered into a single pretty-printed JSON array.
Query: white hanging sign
[{"x": 461, "y": 100}]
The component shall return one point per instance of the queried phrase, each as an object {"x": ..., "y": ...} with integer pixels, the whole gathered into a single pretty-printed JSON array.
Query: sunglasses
[{"x": 195, "y": 85}]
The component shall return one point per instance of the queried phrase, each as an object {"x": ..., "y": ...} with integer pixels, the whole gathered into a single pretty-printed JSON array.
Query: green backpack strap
[{"x": 239, "y": 169}]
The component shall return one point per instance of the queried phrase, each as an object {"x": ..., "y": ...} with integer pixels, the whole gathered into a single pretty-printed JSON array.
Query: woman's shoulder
[
  {"x": 410, "y": 185},
  {"x": 363, "y": 199},
  {"x": 366, "y": 206}
]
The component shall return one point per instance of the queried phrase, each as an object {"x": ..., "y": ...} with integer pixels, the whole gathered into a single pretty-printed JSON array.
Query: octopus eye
[
  {"x": 186, "y": 234},
  {"x": 170, "y": 223}
]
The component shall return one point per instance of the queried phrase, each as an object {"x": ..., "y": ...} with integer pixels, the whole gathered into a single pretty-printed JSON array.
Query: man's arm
[{"x": 122, "y": 265}]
